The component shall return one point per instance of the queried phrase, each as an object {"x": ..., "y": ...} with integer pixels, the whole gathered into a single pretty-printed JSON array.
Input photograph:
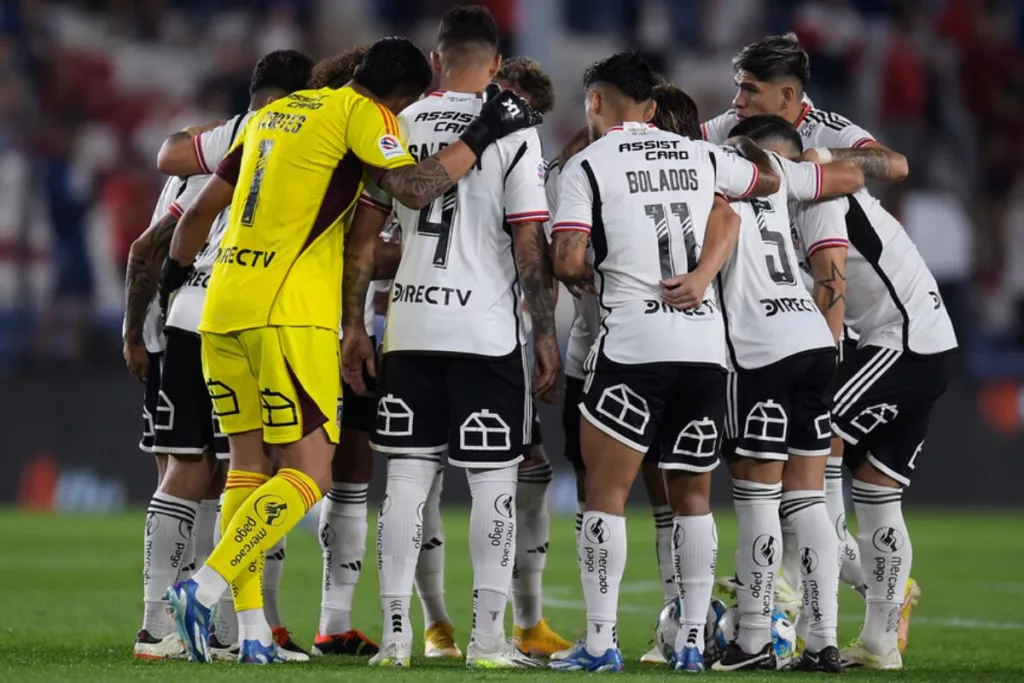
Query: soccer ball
[
  {"x": 783, "y": 636},
  {"x": 668, "y": 625}
]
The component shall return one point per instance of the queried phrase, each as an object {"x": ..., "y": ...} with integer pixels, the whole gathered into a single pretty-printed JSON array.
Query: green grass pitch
[{"x": 70, "y": 594}]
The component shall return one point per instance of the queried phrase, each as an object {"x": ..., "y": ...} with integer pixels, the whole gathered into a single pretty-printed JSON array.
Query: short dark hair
[
  {"x": 286, "y": 70},
  {"x": 526, "y": 76},
  {"x": 627, "y": 71},
  {"x": 768, "y": 126},
  {"x": 775, "y": 57},
  {"x": 676, "y": 111},
  {"x": 392, "y": 67},
  {"x": 335, "y": 72},
  {"x": 467, "y": 26}
]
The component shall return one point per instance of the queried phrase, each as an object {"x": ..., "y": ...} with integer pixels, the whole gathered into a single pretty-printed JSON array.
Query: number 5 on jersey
[{"x": 436, "y": 220}]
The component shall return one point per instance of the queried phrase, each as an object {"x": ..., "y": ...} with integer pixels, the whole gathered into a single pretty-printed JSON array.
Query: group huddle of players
[{"x": 718, "y": 270}]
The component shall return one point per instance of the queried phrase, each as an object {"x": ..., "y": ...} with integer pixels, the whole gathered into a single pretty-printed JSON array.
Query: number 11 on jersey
[{"x": 657, "y": 213}]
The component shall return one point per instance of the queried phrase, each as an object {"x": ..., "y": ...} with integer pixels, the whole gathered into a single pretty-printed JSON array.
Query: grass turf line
[{"x": 72, "y": 601}]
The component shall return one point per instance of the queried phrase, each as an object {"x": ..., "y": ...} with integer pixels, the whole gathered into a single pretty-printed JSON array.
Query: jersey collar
[
  {"x": 804, "y": 111},
  {"x": 452, "y": 93},
  {"x": 630, "y": 127}
]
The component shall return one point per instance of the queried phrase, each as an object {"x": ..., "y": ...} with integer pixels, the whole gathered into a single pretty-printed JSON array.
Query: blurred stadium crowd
[{"x": 90, "y": 88}]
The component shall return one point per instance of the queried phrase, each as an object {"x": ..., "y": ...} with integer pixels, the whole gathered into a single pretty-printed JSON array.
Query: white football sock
[
  {"x": 695, "y": 544},
  {"x": 581, "y": 509},
  {"x": 272, "y": 572},
  {"x": 168, "y": 535},
  {"x": 430, "y": 566},
  {"x": 492, "y": 549},
  {"x": 885, "y": 551},
  {"x": 399, "y": 535},
  {"x": 602, "y": 564},
  {"x": 225, "y": 620},
  {"x": 790, "y": 567},
  {"x": 819, "y": 565},
  {"x": 343, "y": 530},
  {"x": 850, "y": 569},
  {"x": 533, "y": 528},
  {"x": 663, "y": 548},
  {"x": 202, "y": 532},
  {"x": 252, "y": 625},
  {"x": 758, "y": 558}
]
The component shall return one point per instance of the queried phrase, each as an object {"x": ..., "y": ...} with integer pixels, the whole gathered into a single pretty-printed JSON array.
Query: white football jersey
[
  {"x": 186, "y": 306},
  {"x": 892, "y": 300},
  {"x": 769, "y": 314},
  {"x": 644, "y": 195},
  {"x": 817, "y": 128},
  {"x": 456, "y": 289}
]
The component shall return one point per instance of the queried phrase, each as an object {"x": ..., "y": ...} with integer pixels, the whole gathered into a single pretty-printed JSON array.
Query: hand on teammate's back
[
  {"x": 501, "y": 115},
  {"x": 685, "y": 291},
  {"x": 546, "y": 367},
  {"x": 357, "y": 352}
]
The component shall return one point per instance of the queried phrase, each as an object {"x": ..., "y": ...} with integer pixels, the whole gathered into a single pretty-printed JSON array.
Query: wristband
[
  {"x": 478, "y": 137},
  {"x": 824, "y": 155}
]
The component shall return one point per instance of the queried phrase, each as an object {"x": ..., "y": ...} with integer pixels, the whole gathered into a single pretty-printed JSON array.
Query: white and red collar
[
  {"x": 633, "y": 127},
  {"x": 452, "y": 93}
]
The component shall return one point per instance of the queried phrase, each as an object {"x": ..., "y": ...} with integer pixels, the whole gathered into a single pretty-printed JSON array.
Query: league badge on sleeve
[{"x": 390, "y": 146}]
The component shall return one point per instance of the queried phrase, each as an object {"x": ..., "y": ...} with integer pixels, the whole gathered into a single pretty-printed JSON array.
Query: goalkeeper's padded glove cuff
[
  {"x": 173, "y": 277},
  {"x": 478, "y": 137}
]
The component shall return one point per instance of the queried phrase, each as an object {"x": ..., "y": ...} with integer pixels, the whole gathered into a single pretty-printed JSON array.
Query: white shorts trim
[
  {"x": 147, "y": 449},
  {"x": 223, "y": 457},
  {"x": 610, "y": 432},
  {"x": 679, "y": 467},
  {"x": 181, "y": 451},
  {"x": 471, "y": 465},
  {"x": 887, "y": 471},
  {"x": 820, "y": 453},
  {"x": 409, "y": 450},
  {"x": 843, "y": 435},
  {"x": 761, "y": 455}
]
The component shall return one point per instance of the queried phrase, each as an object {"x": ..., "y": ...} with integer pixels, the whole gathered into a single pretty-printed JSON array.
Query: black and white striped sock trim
[
  {"x": 747, "y": 491},
  {"x": 169, "y": 508},
  {"x": 538, "y": 474},
  {"x": 579, "y": 522},
  {"x": 869, "y": 494},
  {"x": 834, "y": 472},
  {"x": 662, "y": 517},
  {"x": 794, "y": 504},
  {"x": 350, "y": 495}
]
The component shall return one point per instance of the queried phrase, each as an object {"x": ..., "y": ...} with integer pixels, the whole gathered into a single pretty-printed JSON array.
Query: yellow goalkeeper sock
[
  {"x": 247, "y": 588},
  {"x": 262, "y": 520}
]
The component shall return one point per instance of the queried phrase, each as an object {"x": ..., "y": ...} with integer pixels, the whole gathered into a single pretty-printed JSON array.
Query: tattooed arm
[
  {"x": 361, "y": 242},
  {"x": 876, "y": 162},
  {"x": 533, "y": 264},
  {"x": 767, "y": 181},
  {"x": 828, "y": 266},
  {"x": 386, "y": 260},
  {"x": 569, "y": 258},
  {"x": 418, "y": 185},
  {"x": 145, "y": 257}
]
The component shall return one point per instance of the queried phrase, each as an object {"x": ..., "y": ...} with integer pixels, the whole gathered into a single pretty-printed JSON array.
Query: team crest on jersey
[
  {"x": 390, "y": 146},
  {"x": 541, "y": 170}
]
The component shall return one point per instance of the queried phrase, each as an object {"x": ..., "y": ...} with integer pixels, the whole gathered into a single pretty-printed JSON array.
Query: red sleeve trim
[
  {"x": 864, "y": 141},
  {"x": 527, "y": 217},
  {"x": 570, "y": 226},
  {"x": 753, "y": 183},
  {"x": 230, "y": 166},
  {"x": 390, "y": 124},
  {"x": 175, "y": 210},
  {"x": 704, "y": 131},
  {"x": 197, "y": 147},
  {"x": 367, "y": 200},
  {"x": 819, "y": 182},
  {"x": 827, "y": 243}
]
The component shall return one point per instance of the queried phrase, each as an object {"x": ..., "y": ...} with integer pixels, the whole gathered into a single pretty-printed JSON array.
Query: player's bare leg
[
  {"x": 695, "y": 548},
  {"x": 884, "y": 542},
  {"x": 342, "y": 534},
  {"x": 533, "y": 528},
  {"x": 438, "y": 629},
  {"x": 654, "y": 484}
]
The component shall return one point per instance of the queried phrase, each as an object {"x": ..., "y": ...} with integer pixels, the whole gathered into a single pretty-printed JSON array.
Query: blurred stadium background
[{"x": 89, "y": 89}]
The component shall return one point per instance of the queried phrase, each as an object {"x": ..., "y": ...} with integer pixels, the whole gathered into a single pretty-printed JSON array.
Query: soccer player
[
  {"x": 771, "y": 76},
  {"x": 270, "y": 324},
  {"x": 646, "y": 199},
  {"x": 525, "y": 77},
  {"x": 782, "y": 357},
  {"x": 456, "y": 374},
  {"x": 864, "y": 263}
]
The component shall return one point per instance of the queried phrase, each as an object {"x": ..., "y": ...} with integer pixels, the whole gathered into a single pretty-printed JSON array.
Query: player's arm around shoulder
[
  {"x": 765, "y": 181},
  {"x": 874, "y": 159},
  {"x": 183, "y": 153},
  {"x": 808, "y": 181},
  {"x": 570, "y": 228}
]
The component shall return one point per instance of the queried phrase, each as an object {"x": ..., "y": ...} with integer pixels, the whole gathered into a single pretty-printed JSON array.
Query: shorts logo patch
[
  {"x": 698, "y": 439},
  {"x": 766, "y": 421},
  {"x": 485, "y": 431},
  {"x": 164, "y": 413},
  {"x": 823, "y": 426},
  {"x": 272, "y": 509},
  {"x": 625, "y": 407},
  {"x": 875, "y": 416},
  {"x": 390, "y": 146},
  {"x": 223, "y": 397},
  {"x": 278, "y": 409},
  {"x": 394, "y": 416}
]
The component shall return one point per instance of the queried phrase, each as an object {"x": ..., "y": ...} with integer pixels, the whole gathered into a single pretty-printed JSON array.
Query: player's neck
[
  {"x": 469, "y": 80},
  {"x": 794, "y": 112}
]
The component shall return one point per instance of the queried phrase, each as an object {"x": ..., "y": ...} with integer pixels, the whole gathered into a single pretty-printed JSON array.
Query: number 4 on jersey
[{"x": 436, "y": 220}]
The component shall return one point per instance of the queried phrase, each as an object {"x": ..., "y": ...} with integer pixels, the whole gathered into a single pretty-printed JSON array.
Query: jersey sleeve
[
  {"x": 575, "y": 200},
  {"x": 374, "y": 197},
  {"x": 823, "y": 225},
  {"x": 525, "y": 199},
  {"x": 551, "y": 175},
  {"x": 839, "y": 132},
  {"x": 803, "y": 180},
  {"x": 193, "y": 186},
  {"x": 375, "y": 137},
  {"x": 735, "y": 177},
  {"x": 231, "y": 164},
  {"x": 211, "y": 146},
  {"x": 716, "y": 131}
]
